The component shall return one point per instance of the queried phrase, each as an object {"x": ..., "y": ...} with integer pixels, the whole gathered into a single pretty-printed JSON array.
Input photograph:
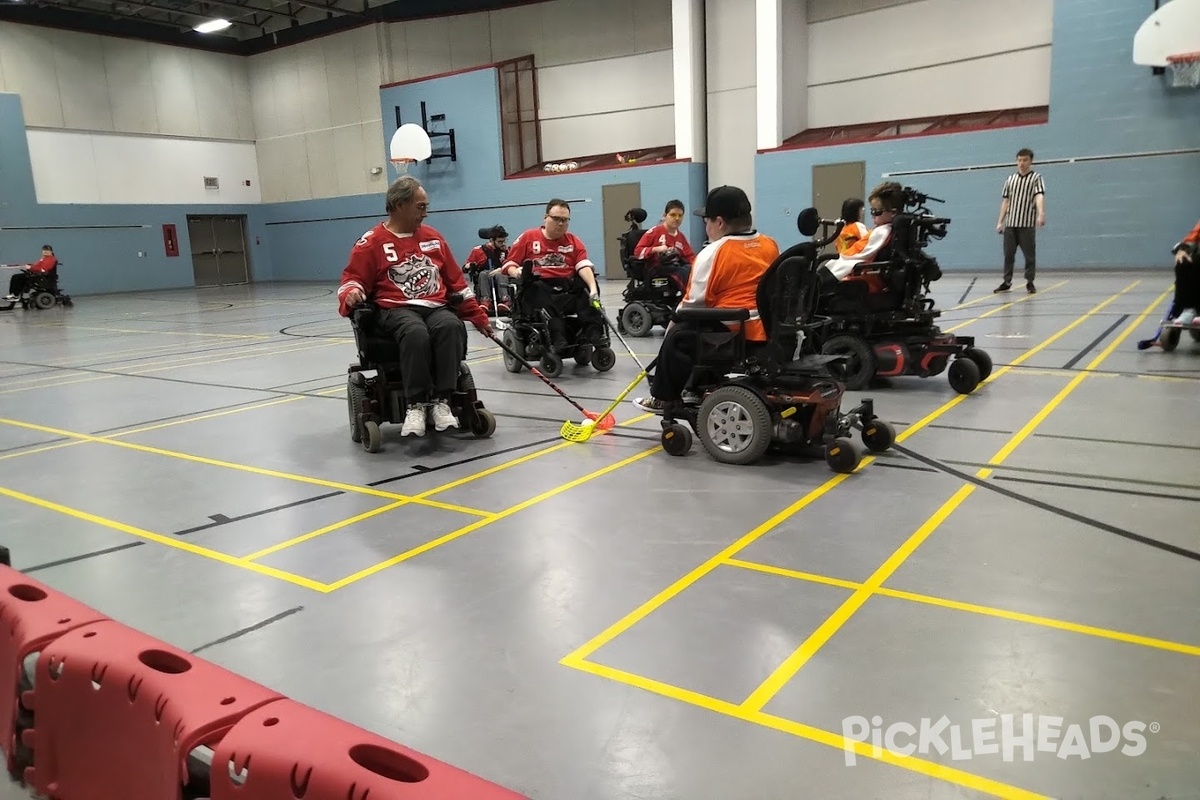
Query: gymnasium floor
[{"x": 599, "y": 621}]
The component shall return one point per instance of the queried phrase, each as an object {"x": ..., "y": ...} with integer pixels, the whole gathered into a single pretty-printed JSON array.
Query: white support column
[
  {"x": 688, "y": 48},
  {"x": 768, "y": 27}
]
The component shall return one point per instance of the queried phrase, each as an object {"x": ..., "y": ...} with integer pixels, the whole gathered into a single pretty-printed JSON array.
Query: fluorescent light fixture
[{"x": 212, "y": 26}]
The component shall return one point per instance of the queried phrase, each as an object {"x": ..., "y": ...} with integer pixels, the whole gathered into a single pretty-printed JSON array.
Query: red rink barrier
[
  {"x": 31, "y": 616},
  {"x": 286, "y": 750},
  {"x": 116, "y": 714}
]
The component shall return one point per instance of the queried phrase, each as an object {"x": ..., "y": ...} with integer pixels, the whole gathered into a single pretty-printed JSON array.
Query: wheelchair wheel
[
  {"x": 583, "y": 354},
  {"x": 982, "y": 360},
  {"x": 860, "y": 364},
  {"x": 43, "y": 300},
  {"x": 1170, "y": 339},
  {"x": 841, "y": 456},
  {"x": 354, "y": 399},
  {"x": 513, "y": 343},
  {"x": 963, "y": 375},
  {"x": 372, "y": 436},
  {"x": 483, "y": 423},
  {"x": 1195, "y": 334},
  {"x": 735, "y": 425},
  {"x": 551, "y": 365},
  {"x": 604, "y": 359},
  {"x": 637, "y": 320},
  {"x": 878, "y": 435},
  {"x": 676, "y": 440}
]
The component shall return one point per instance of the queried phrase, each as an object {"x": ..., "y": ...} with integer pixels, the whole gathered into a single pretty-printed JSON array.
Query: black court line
[
  {"x": 220, "y": 519},
  {"x": 1117, "y": 441},
  {"x": 256, "y": 626},
  {"x": 1053, "y": 509},
  {"x": 968, "y": 291},
  {"x": 1092, "y": 345},
  {"x": 1082, "y": 475},
  {"x": 60, "y": 562}
]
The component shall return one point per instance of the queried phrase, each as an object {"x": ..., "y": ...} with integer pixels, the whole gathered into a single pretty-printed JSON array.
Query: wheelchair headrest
[
  {"x": 636, "y": 215},
  {"x": 807, "y": 221},
  {"x": 493, "y": 232}
]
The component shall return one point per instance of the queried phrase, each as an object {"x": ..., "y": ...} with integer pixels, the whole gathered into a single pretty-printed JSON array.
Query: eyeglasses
[
  {"x": 560, "y": 220},
  {"x": 875, "y": 212}
]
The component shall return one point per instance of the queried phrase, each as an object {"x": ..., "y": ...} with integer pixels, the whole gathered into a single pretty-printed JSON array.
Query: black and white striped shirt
[{"x": 1020, "y": 191}]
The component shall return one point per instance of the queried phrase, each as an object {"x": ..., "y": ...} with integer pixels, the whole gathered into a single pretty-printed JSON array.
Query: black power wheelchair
[
  {"x": 882, "y": 319},
  {"x": 373, "y": 401},
  {"x": 651, "y": 294},
  {"x": 528, "y": 330},
  {"x": 42, "y": 292},
  {"x": 746, "y": 398}
]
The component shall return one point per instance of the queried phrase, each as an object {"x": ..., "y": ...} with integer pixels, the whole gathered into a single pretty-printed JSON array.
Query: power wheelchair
[
  {"x": 372, "y": 401},
  {"x": 882, "y": 319},
  {"x": 528, "y": 330},
  {"x": 743, "y": 398},
  {"x": 42, "y": 292},
  {"x": 651, "y": 294}
]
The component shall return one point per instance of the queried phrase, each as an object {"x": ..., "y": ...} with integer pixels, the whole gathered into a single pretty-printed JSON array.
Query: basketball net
[
  {"x": 1185, "y": 69},
  {"x": 402, "y": 164}
]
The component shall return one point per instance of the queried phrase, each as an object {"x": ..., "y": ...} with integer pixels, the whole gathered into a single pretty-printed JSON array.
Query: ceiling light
[{"x": 212, "y": 26}]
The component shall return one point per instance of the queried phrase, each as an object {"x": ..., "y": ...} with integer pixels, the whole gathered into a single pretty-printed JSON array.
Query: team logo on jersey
[
  {"x": 417, "y": 277},
  {"x": 566, "y": 248},
  {"x": 430, "y": 246},
  {"x": 551, "y": 260},
  {"x": 365, "y": 238}
]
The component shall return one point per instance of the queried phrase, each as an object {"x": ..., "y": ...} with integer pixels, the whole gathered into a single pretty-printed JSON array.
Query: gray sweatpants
[{"x": 1026, "y": 238}]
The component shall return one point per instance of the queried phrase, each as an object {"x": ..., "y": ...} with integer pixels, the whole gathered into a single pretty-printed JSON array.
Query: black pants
[
  {"x": 1026, "y": 239},
  {"x": 431, "y": 342},
  {"x": 1187, "y": 285},
  {"x": 18, "y": 282},
  {"x": 677, "y": 356},
  {"x": 539, "y": 295}
]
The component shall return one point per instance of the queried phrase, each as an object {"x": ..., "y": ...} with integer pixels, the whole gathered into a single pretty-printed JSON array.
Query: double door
[{"x": 219, "y": 255}]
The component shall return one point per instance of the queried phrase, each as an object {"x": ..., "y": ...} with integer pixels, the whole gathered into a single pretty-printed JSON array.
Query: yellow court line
[
  {"x": 645, "y": 609},
  {"x": 930, "y": 769},
  {"x": 796, "y": 661},
  {"x": 474, "y": 526},
  {"x": 975, "y": 608},
  {"x": 445, "y": 487},
  {"x": 1001, "y": 307},
  {"x": 270, "y": 473},
  {"x": 176, "y": 543},
  {"x": 168, "y": 333}
]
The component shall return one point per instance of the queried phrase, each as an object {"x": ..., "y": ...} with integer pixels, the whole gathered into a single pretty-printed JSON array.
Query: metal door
[
  {"x": 617, "y": 199},
  {"x": 218, "y": 251},
  {"x": 832, "y": 184}
]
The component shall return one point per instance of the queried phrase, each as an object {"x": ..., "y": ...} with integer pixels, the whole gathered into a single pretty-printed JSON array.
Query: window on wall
[
  {"x": 520, "y": 131},
  {"x": 926, "y": 126}
]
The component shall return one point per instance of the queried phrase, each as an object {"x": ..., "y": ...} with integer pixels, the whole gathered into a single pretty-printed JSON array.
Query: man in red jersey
[
  {"x": 482, "y": 261},
  {"x": 406, "y": 269},
  {"x": 18, "y": 282},
  {"x": 565, "y": 276},
  {"x": 664, "y": 245}
]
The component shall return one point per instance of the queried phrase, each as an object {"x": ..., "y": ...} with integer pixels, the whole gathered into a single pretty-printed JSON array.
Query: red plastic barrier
[
  {"x": 116, "y": 713},
  {"x": 286, "y": 750},
  {"x": 31, "y": 615}
]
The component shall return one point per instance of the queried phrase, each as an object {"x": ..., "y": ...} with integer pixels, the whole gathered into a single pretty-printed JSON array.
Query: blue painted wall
[
  {"x": 99, "y": 259},
  {"x": 1116, "y": 213}
]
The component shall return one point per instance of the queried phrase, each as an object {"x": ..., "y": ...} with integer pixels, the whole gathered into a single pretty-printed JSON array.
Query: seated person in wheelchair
[
  {"x": 406, "y": 269},
  {"x": 564, "y": 278},
  {"x": 887, "y": 200},
  {"x": 726, "y": 274},
  {"x": 21, "y": 281},
  {"x": 854, "y": 235},
  {"x": 666, "y": 247},
  {"x": 1187, "y": 278},
  {"x": 482, "y": 261}
]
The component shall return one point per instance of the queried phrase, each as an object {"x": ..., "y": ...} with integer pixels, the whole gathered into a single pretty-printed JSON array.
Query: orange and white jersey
[
  {"x": 853, "y": 238},
  {"x": 862, "y": 254},
  {"x": 726, "y": 274}
]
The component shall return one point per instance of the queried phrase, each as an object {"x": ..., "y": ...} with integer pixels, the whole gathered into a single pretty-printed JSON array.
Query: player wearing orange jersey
[{"x": 726, "y": 275}]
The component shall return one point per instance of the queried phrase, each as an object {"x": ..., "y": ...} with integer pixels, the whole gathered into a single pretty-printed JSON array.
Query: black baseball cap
[{"x": 729, "y": 202}]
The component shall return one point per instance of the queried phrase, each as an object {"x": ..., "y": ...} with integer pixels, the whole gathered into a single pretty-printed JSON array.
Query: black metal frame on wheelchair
[
  {"x": 746, "y": 399},
  {"x": 377, "y": 399},
  {"x": 527, "y": 332},
  {"x": 651, "y": 296},
  {"x": 42, "y": 292},
  {"x": 894, "y": 332}
]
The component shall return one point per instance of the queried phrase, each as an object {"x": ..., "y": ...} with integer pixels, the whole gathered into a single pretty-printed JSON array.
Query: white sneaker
[
  {"x": 443, "y": 417},
  {"x": 415, "y": 421},
  {"x": 1186, "y": 317},
  {"x": 10, "y": 297}
]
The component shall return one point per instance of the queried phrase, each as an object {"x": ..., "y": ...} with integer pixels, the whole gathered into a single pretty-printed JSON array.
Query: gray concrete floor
[{"x": 601, "y": 620}]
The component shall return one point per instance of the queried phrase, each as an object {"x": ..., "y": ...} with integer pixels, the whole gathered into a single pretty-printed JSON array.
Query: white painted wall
[
  {"x": 794, "y": 43},
  {"x": 103, "y": 168},
  {"x": 732, "y": 95},
  {"x": 902, "y": 60}
]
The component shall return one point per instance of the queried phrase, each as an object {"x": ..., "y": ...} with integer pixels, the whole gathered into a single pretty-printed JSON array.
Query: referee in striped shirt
[{"x": 1022, "y": 207}]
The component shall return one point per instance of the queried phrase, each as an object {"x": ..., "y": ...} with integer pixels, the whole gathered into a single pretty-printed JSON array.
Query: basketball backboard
[
  {"x": 1173, "y": 29},
  {"x": 409, "y": 143}
]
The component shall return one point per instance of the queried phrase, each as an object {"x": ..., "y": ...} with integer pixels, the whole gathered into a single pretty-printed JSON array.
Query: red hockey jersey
[
  {"x": 415, "y": 269},
  {"x": 552, "y": 258},
  {"x": 658, "y": 235}
]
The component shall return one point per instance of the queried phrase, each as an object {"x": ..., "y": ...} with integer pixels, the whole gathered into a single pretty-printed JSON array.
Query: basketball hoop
[
  {"x": 410, "y": 144},
  {"x": 402, "y": 164},
  {"x": 1185, "y": 69}
]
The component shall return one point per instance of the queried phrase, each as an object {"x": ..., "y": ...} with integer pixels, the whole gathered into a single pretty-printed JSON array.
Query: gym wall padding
[{"x": 1122, "y": 212}]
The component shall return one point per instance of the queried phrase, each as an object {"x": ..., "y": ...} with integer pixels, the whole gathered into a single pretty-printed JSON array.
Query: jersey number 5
[{"x": 389, "y": 251}]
